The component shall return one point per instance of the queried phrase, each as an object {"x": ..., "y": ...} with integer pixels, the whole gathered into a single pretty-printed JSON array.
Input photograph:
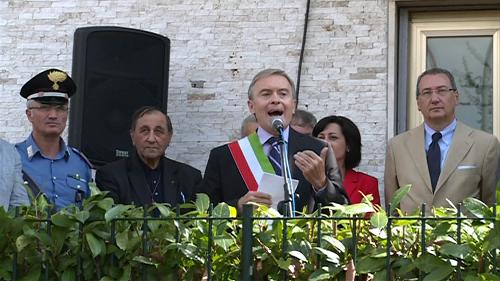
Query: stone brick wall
[{"x": 222, "y": 43}]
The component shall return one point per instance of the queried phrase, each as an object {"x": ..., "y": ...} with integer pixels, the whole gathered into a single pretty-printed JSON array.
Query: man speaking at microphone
[{"x": 234, "y": 170}]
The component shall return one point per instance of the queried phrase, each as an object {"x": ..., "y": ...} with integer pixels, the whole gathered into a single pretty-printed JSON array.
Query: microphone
[{"x": 278, "y": 124}]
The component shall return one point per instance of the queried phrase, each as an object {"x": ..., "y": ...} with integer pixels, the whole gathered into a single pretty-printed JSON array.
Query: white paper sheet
[{"x": 273, "y": 185}]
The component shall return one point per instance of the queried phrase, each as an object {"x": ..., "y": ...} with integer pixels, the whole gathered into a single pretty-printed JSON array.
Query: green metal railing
[{"x": 247, "y": 221}]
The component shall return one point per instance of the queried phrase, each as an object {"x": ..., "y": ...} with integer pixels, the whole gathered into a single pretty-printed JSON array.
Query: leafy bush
[{"x": 103, "y": 241}]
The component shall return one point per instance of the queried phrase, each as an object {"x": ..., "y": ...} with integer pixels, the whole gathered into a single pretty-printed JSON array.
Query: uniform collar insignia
[{"x": 30, "y": 152}]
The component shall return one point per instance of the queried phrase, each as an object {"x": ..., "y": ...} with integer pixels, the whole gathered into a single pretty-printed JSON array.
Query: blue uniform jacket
[{"x": 64, "y": 179}]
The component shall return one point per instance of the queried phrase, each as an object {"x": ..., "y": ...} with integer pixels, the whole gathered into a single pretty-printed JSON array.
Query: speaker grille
[{"x": 117, "y": 70}]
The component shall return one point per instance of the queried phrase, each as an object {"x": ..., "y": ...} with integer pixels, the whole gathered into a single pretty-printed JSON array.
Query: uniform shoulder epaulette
[{"x": 82, "y": 156}]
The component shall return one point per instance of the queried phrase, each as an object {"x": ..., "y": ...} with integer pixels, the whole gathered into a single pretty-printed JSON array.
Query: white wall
[{"x": 223, "y": 42}]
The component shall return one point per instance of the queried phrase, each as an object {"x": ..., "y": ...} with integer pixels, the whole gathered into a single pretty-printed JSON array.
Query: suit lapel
[
  {"x": 138, "y": 180},
  {"x": 416, "y": 147},
  {"x": 460, "y": 146},
  {"x": 169, "y": 177},
  {"x": 351, "y": 180},
  {"x": 294, "y": 146}
]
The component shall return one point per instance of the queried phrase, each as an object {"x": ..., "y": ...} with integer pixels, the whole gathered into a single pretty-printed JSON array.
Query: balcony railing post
[
  {"x": 14, "y": 260},
  {"x": 388, "y": 246},
  {"x": 113, "y": 241},
  {"x": 318, "y": 221},
  {"x": 177, "y": 233},
  {"x": 45, "y": 256},
  {"x": 210, "y": 241},
  {"x": 354, "y": 231},
  {"x": 494, "y": 252},
  {"x": 145, "y": 246},
  {"x": 246, "y": 247},
  {"x": 422, "y": 238},
  {"x": 79, "y": 263},
  {"x": 284, "y": 241},
  {"x": 459, "y": 240}
]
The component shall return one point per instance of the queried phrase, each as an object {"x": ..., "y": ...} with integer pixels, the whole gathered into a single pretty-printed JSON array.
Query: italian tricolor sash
[{"x": 252, "y": 162}]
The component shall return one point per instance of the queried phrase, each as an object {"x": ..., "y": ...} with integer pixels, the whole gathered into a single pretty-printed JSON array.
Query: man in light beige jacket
[{"x": 460, "y": 162}]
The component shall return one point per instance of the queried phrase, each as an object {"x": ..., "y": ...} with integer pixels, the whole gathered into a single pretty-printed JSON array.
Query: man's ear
[
  {"x": 131, "y": 136},
  {"x": 169, "y": 138},
  {"x": 28, "y": 114},
  {"x": 250, "y": 106}
]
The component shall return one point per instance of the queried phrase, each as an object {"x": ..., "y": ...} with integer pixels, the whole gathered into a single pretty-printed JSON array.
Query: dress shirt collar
[
  {"x": 33, "y": 149},
  {"x": 264, "y": 135},
  {"x": 447, "y": 134}
]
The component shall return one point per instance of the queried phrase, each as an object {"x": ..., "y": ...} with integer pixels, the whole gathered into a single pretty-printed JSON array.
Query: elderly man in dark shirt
[{"x": 148, "y": 176}]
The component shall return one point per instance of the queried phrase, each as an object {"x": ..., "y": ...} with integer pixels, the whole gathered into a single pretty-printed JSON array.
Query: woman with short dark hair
[{"x": 344, "y": 137}]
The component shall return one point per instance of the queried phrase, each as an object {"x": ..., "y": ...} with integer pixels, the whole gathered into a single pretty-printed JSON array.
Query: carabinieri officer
[{"x": 61, "y": 172}]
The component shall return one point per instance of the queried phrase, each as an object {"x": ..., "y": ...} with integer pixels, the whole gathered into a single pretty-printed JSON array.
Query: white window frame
[{"x": 437, "y": 24}]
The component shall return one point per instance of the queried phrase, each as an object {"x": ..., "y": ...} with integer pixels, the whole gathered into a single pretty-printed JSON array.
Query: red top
[{"x": 356, "y": 183}]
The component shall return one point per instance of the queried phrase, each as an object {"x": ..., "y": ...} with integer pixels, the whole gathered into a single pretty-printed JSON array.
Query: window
[{"x": 468, "y": 44}]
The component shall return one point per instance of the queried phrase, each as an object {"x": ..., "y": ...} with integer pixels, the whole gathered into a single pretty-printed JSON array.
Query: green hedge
[{"x": 103, "y": 241}]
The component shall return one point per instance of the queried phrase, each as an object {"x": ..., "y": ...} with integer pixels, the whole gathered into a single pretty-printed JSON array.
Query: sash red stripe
[{"x": 243, "y": 167}]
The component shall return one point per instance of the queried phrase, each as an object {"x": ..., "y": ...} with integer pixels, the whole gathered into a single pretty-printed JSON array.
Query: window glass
[{"x": 470, "y": 60}]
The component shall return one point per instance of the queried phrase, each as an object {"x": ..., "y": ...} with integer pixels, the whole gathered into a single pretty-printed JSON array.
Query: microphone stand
[{"x": 287, "y": 182}]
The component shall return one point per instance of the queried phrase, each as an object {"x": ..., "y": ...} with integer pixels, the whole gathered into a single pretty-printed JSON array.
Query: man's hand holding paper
[{"x": 273, "y": 185}]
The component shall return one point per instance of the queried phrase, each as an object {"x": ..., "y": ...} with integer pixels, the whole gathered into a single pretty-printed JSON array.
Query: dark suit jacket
[
  {"x": 223, "y": 182},
  {"x": 126, "y": 182}
]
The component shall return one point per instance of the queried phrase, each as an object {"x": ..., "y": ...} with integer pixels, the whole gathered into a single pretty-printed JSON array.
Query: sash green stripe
[{"x": 259, "y": 153}]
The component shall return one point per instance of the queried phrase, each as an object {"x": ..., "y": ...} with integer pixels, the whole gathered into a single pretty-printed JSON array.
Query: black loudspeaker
[{"x": 117, "y": 70}]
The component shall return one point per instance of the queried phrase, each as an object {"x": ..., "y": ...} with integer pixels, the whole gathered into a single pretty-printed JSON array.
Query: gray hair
[
  {"x": 303, "y": 117},
  {"x": 30, "y": 103},
  {"x": 249, "y": 119},
  {"x": 270, "y": 72},
  {"x": 434, "y": 71}
]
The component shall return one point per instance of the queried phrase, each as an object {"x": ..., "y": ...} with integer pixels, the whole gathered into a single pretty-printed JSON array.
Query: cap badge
[{"x": 56, "y": 77}]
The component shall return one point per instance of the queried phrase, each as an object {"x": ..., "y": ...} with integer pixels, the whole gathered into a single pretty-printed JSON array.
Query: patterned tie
[
  {"x": 274, "y": 155},
  {"x": 434, "y": 159}
]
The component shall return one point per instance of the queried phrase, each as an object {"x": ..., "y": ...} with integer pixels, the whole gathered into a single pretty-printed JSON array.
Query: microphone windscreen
[{"x": 278, "y": 124}]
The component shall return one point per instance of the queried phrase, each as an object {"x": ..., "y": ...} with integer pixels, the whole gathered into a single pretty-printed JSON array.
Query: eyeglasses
[
  {"x": 49, "y": 107},
  {"x": 427, "y": 93}
]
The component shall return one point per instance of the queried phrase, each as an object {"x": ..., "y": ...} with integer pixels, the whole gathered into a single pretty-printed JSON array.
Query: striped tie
[{"x": 274, "y": 155}]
